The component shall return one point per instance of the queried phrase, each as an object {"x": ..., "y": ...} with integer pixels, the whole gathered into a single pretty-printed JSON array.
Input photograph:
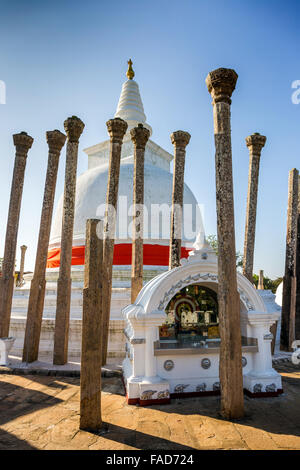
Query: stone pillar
[
  {"x": 116, "y": 128},
  {"x": 73, "y": 127},
  {"x": 23, "y": 143},
  {"x": 91, "y": 351},
  {"x": 288, "y": 290},
  {"x": 255, "y": 143},
  {"x": 221, "y": 83},
  {"x": 139, "y": 137},
  {"x": 297, "y": 317},
  {"x": 260, "y": 284},
  {"x": 180, "y": 140},
  {"x": 56, "y": 141},
  {"x": 22, "y": 263}
]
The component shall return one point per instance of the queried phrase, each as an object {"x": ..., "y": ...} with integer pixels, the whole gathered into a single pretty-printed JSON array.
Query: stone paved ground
[{"x": 39, "y": 412}]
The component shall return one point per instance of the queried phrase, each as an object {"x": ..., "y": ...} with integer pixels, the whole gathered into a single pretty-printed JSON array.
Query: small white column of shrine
[{"x": 262, "y": 377}]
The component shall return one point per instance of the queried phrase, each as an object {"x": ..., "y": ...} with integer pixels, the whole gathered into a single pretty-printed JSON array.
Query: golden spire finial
[{"x": 130, "y": 72}]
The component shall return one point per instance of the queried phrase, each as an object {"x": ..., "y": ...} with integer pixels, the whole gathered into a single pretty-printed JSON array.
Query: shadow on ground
[
  {"x": 16, "y": 401},
  {"x": 139, "y": 439},
  {"x": 279, "y": 416}
]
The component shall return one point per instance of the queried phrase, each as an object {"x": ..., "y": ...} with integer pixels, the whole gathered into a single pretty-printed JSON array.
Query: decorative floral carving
[
  {"x": 178, "y": 285},
  {"x": 216, "y": 386},
  {"x": 257, "y": 388},
  {"x": 180, "y": 138},
  {"x": 163, "y": 394},
  {"x": 22, "y": 142},
  {"x": 201, "y": 387},
  {"x": 180, "y": 388},
  {"x": 221, "y": 83},
  {"x": 74, "y": 128},
  {"x": 148, "y": 394},
  {"x": 55, "y": 140},
  {"x": 116, "y": 129},
  {"x": 168, "y": 364},
  {"x": 256, "y": 142},
  {"x": 205, "y": 363},
  {"x": 140, "y": 136},
  {"x": 271, "y": 388}
]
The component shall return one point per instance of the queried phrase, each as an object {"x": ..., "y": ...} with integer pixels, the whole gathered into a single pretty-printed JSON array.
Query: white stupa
[
  {"x": 91, "y": 195},
  {"x": 90, "y": 203}
]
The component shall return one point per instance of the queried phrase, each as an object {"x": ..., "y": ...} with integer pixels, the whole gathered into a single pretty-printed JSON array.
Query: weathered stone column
[
  {"x": 23, "y": 143},
  {"x": 297, "y": 319},
  {"x": 255, "y": 143},
  {"x": 116, "y": 128},
  {"x": 22, "y": 263},
  {"x": 221, "y": 83},
  {"x": 91, "y": 351},
  {"x": 73, "y": 127},
  {"x": 56, "y": 141},
  {"x": 289, "y": 279},
  {"x": 260, "y": 284},
  {"x": 179, "y": 139},
  {"x": 139, "y": 137}
]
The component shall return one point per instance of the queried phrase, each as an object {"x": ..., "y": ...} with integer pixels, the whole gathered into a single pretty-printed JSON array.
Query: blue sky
[{"x": 60, "y": 58}]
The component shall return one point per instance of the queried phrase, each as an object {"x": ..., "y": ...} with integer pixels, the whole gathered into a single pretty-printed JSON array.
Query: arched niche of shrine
[
  {"x": 243, "y": 300},
  {"x": 191, "y": 315}
]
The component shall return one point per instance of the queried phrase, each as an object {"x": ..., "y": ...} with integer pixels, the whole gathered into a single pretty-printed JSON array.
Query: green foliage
[
  {"x": 268, "y": 283},
  {"x": 212, "y": 240},
  {"x": 239, "y": 259},
  {"x": 276, "y": 283}
]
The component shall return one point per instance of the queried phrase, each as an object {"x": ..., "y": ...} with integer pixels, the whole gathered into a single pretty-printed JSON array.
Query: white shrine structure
[{"x": 172, "y": 337}]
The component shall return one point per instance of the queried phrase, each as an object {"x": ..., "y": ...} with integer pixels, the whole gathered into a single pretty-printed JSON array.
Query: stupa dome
[{"x": 90, "y": 203}]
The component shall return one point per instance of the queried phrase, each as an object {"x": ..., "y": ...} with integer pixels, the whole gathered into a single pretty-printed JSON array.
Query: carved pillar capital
[
  {"x": 116, "y": 129},
  {"x": 140, "y": 136},
  {"x": 56, "y": 140},
  {"x": 74, "y": 128},
  {"x": 221, "y": 83},
  {"x": 255, "y": 142},
  {"x": 180, "y": 139},
  {"x": 23, "y": 142}
]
